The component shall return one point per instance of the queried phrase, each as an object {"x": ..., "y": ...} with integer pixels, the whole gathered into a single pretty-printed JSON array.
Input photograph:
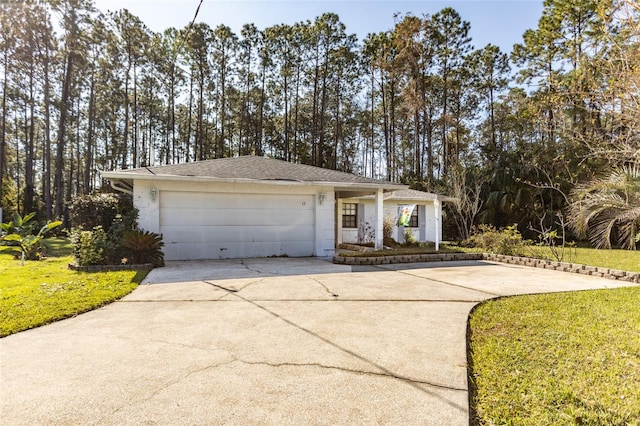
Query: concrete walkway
[{"x": 266, "y": 341}]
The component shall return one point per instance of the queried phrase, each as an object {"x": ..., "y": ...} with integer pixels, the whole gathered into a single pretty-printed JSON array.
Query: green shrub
[
  {"x": 90, "y": 247},
  {"x": 507, "y": 241},
  {"x": 88, "y": 211},
  {"x": 111, "y": 216},
  {"x": 122, "y": 223},
  {"x": 140, "y": 247},
  {"x": 409, "y": 238}
]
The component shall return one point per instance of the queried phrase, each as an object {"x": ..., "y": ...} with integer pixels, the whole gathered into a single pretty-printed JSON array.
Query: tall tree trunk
[
  {"x": 223, "y": 102},
  {"x": 244, "y": 113},
  {"x": 385, "y": 128},
  {"x": 47, "y": 134},
  {"x": 428, "y": 132},
  {"x": 199, "y": 123},
  {"x": 3, "y": 129},
  {"x": 125, "y": 135},
  {"x": 259, "y": 141},
  {"x": 28, "y": 162},
  {"x": 78, "y": 155},
  {"x": 287, "y": 155},
  {"x": 189, "y": 120},
  {"x": 172, "y": 117},
  {"x": 62, "y": 124},
  {"x": 314, "y": 112},
  {"x": 337, "y": 135},
  {"x": 296, "y": 149},
  {"x": 91, "y": 119},
  {"x": 445, "y": 142},
  {"x": 373, "y": 129},
  {"x": 322, "y": 113},
  {"x": 416, "y": 142},
  {"x": 392, "y": 125},
  {"x": 135, "y": 118}
]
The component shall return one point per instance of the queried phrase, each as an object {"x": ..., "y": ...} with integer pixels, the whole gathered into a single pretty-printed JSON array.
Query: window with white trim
[{"x": 350, "y": 215}]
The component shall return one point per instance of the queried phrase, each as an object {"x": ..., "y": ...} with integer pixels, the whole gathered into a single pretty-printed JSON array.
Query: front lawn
[
  {"x": 625, "y": 260},
  {"x": 44, "y": 291},
  {"x": 561, "y": 359}
]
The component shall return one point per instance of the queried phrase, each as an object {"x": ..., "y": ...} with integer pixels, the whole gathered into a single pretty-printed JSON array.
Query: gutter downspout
[{"x": 114, "y": 185}]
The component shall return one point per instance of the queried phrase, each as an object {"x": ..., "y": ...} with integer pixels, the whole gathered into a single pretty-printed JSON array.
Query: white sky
[{"x": 492, "y": 21}]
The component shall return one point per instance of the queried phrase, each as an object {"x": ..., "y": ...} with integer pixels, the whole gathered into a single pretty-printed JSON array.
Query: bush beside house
[{"x": 105, "y": 232}]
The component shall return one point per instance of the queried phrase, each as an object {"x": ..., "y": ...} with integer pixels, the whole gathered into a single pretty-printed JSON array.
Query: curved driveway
[{"x": 266, "y": 341}]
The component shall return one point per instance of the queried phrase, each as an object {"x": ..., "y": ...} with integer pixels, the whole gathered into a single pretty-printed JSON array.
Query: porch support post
[
  {"x": 339, "y": 203},
  {"x": 379, "y": 217},
  {"x": 438, "y": 221}
]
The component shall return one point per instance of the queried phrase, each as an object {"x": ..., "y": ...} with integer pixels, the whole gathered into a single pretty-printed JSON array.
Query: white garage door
[{"x": 225, "y": 226}]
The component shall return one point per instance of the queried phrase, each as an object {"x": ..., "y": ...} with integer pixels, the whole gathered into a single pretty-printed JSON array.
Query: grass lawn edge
[
  {"x": 580, "y": 410},
  {"x": 58, "y": 293}
]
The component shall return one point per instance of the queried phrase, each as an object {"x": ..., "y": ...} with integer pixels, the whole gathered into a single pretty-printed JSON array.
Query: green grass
[
  {"x": 58, "y": 247},
  {"x": 561, "y": 359},
  {"x": 626, "y": 260},
  {"x": 44, "y": 291}
]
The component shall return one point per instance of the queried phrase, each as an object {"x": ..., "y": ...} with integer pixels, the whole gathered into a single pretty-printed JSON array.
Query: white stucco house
[{"x": 257, "y": 207}]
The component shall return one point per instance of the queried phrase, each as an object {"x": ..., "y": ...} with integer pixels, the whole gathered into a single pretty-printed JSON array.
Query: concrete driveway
[{"x": 266, "y": 341}]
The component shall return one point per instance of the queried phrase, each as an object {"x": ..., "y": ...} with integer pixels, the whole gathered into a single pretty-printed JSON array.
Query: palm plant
[
  {"x": 18, "y": 234},
  {"x": 142, "y": 247},
  {"x": 608, "y": 209}
]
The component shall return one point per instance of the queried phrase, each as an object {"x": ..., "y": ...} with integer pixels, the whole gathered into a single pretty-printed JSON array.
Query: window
[
  {"x": 413, "y": 221},
  {"x": 349, "y": 215}
]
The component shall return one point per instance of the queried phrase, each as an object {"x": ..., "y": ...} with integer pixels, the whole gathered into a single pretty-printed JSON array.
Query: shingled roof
[
  {"x": 411, "y": 195},
  {"x": 250, "y": 168}
]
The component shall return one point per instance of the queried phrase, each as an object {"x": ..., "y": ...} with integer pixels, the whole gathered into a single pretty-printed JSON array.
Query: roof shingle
[{"x": 252, "y": 168}]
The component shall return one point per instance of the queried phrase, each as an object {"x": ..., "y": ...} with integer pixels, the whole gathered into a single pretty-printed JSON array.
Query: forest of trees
[{"x": 511, "y": 134}]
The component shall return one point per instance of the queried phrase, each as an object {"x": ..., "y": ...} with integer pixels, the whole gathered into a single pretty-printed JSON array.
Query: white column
[
  {"x": 379, "y": 217},
  {"x": 438, "y": 215},
  {"x": 339, "y": 203}
]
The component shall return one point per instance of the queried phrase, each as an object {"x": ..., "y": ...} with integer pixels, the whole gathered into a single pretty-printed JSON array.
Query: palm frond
[{"x": 608, "y": 208}]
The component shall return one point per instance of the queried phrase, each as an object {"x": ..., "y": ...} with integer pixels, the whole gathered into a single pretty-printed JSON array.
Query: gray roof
[
  {"x": 248, "y": 168},
  {"x": 411, "y": 195}
]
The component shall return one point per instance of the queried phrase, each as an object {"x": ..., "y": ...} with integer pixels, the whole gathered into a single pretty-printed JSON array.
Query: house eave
[{"x": 349, "y": 186}]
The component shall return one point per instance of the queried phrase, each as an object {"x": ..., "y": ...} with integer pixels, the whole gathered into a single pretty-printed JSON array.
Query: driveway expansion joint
[
  {"x": 438, "y": 281},
  {"x": 231, "y": 290},
  {"x": 353, "y": 371}
]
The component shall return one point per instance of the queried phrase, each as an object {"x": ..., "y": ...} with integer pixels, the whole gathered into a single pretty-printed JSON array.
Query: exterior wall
[
  {"x": 149, "y": 209},
  {"x": 325, "y": 222},
  {"x": 426, "y": 230},
  {"x": 149, "y": 206}
]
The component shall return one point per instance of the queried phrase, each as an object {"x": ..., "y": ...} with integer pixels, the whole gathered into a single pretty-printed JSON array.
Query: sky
[{"x": 500, "y": 22}]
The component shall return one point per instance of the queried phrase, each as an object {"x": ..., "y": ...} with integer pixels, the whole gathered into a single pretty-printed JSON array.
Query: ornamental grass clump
[{"x": 507, "y": 241}]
